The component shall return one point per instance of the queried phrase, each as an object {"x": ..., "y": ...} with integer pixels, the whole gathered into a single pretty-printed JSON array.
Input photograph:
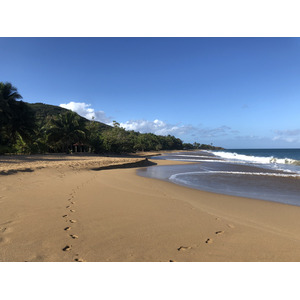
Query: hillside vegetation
[
  {"x": 44, "y": 111},
  {"x": 43, "y": 128}
]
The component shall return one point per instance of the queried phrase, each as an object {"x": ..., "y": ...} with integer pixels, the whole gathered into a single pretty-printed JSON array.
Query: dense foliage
[
  {"x": 189, "y": 146},
  {"x": 17, "y": 122},
  {"x": 41, "y": 128}
]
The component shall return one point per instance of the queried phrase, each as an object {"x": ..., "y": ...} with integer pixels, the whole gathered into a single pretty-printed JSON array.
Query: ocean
[{"x": 266, "y": 174}]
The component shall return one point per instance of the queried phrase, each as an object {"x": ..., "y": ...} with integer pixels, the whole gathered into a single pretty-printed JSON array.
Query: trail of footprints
[
  {"x": 207, "y": 241},
  {"x": 69, "y": 219},
  {"x": 70, "y": 209}
]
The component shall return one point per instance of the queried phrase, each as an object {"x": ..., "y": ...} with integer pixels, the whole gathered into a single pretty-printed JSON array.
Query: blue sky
[{"x": 232, "y": 92}]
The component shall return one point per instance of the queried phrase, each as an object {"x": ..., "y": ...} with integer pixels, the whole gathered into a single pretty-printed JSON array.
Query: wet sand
[{"x": 78, "y": 209}]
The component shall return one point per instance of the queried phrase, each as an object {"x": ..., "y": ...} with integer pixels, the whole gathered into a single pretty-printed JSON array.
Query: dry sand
[{"x": 71, "y": 208}]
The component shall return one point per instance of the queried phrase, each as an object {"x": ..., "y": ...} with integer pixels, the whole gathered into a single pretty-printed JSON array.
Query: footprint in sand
[
  {"x": 219, "y": 232},
  {"x": 6, "y": 229},
  {"x": 208, "y": 241},
  {"x": 74, "y": 236},
  {"x": 3, "y": 229},
  {"x": 72, "y": 202},
  {"x": 67, "y": 228},
  {"x": 67, "y": 248},
  {"x": 64, "y": 216},
  {"x": 68, "y": 206},
  {"x": 79, "y": 260},
  {"x": 183, "y": 248},
  {"x": 230, "y": 226},
  {"x": 72, "y": 210},
  {"x": 73, "y": 221}
]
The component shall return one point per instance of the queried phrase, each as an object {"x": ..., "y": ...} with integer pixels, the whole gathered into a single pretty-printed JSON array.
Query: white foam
[
  {"x": 210, "y": 160},
  {"x": 254, "y": 159},
  {"x": 174, "y": 176},
  {"x": 183, "y": 155},
  {"x": 256, "y": 174}
]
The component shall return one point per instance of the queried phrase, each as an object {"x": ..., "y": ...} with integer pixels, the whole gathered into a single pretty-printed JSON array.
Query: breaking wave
[{"x": 255, "y": 159}]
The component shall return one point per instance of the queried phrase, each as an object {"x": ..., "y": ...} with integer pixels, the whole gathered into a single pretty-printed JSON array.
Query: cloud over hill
[{"x": 85, "y": 110}]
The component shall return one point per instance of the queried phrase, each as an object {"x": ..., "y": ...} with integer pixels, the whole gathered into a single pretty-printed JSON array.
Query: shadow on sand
[
  {"x": 16, "y": 159},
  {"x": 11, "y": 172},
  {"x": 143, "y": 163}
]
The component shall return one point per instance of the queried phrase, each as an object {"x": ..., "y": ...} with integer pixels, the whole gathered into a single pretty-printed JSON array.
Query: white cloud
[
  {"x": 161, "y": 128},
  {"x": 85, "y": 110},
  {"x": 157, "y": 127},
  {"x": 289, "y": 136}
]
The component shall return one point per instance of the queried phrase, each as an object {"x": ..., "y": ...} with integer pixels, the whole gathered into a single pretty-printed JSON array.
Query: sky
[{"x": 231, "y": 92}]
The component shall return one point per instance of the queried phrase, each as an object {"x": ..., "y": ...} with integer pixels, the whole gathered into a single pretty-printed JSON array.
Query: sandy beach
[{"x": 96, "y": 209}]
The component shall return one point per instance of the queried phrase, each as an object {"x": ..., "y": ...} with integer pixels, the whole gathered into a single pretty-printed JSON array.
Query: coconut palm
[
  {"x": 8, "y": 95},
  {"x": 65, "y": 130},
  {"x": 16, "y": 117}
]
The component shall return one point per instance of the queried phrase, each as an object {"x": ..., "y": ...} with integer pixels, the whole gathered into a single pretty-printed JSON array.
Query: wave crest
[{"x": 256, "y": 159}]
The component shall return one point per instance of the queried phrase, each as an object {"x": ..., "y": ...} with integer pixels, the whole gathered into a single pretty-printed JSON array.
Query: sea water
[
  {"x": 266, "y": 174},
  {"x": 286, "y": 159}
]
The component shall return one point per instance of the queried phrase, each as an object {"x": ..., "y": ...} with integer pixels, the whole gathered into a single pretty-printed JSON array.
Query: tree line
[{"x": 22, "y": 132}]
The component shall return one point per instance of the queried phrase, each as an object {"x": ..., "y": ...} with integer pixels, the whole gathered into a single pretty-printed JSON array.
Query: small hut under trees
[{"x": 80, "y": 147}]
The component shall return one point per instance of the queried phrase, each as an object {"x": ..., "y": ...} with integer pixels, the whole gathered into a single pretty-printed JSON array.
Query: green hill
[
  {"x": 43, "y": 128},
  {"x": 45, "y": 111}
]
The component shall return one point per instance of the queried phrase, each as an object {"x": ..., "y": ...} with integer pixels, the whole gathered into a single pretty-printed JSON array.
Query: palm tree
[
  {"x": 8, "y": 95},
  {"x": 8, "y": 92},
  {"x": 65, "y": 130},
  {"x": 16, "y": 117}
]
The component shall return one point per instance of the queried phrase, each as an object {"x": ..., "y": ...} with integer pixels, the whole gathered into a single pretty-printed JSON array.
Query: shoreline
[
  {"x": 116, "y": 215},
  {"x": 231, "y": 178}
]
